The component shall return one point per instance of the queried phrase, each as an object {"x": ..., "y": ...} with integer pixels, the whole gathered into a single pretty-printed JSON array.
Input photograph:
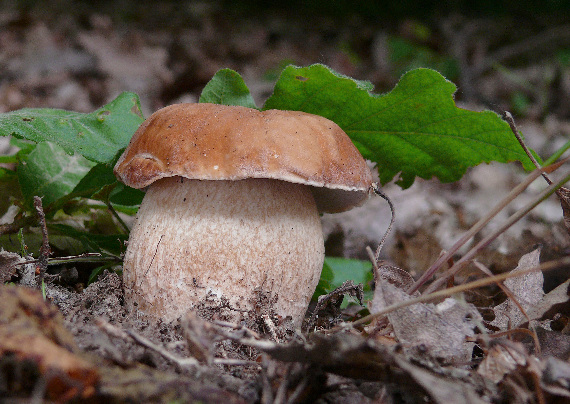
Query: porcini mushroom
[{"x": 232, "y": 206}]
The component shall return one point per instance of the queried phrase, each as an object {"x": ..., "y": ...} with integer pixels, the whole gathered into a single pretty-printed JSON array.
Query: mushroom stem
[{"x": 194, "y": 240}]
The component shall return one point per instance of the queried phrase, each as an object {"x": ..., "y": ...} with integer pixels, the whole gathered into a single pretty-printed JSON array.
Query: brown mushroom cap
[{"x": 219, "y": 142}]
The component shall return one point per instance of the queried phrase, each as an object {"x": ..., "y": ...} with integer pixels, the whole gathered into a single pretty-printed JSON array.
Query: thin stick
[
  {"x": 474, "y": 230},
  {"x": 491, "y": 237},
  {"x": 511, "y": 121},
  {"x": 381, "y": 194},
  {"x": 45, "y": 250},
  {"x": 85, "y": 257},
  {"x": 179, "y": 361}
]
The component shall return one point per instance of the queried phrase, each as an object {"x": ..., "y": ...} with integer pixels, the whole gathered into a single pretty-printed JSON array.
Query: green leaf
[
  {"x": 8, "y": 159},
  {"x": 336, "y": 271},
  {"x": 98, "y": 136},
  {"x": 228, "y": 88},
  {"x": 101, "y": 184},
  {"x": 101, "y": 243},
  {"x": 6, "y": 174},
  {"x": 98, "y": 178},
  {"x": 415, "y": 130},
  {"x": 51, "y": 173},
  {"x": 126, "y": 197}
]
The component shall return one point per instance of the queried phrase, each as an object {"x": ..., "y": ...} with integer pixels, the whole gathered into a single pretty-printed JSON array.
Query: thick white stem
[{"x": 193, "y": 238}]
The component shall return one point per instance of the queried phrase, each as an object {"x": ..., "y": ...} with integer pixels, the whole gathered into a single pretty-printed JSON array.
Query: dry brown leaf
[
  {"x": 31, "y": 332},
  {"x": 199, "y": 335},
  {"x": 438, "y": 330},
  {"x": 8, "y": 262},
  {"x": 389, "y": 274},
  {"x": 556, "y": 377},
  {"x": 502, "y": 358},
  {"x": 443, "y": 390},
  {"x": 527, "y": 290},
  {"x": 555, "y": 301}
]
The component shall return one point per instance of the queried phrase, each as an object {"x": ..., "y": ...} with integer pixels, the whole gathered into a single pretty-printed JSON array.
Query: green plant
[{"x": 67, "y": 158}]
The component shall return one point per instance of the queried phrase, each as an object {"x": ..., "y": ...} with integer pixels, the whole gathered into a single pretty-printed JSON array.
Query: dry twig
[
  {"x": 45, "y": 250},
  {"x": 179, "y": 361}
]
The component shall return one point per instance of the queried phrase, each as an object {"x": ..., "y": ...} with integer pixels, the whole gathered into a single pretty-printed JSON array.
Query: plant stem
[
  {"x": 511, "y": 121},
  {"x": 86, "y": 257},
  {"x": 558, "y": 154},
  {"x": 17, "y": 224},
  {"x": 45, "y": 249},
  {"x": 381, "y": 194},
  {"x": 473, "y": 230},
  {"x": 491, "y": 237},
  {"x": 116, "y": 215}
]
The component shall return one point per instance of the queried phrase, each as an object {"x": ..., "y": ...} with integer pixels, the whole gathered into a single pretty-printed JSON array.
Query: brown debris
[
  {"x": 8, "y": 265},
  {"x": 32, "y": 337},
  {"x": 527, "y": 290},
  {"x": 438, "y": 331}
]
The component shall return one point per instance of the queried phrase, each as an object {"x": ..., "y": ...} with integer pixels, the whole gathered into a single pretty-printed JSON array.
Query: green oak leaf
[
  {"x": 98, "y": 136},
  {"x": 414, "y": 130},
  {"x": 49, "y": 172},
  {"x": 228, "y": 88}
]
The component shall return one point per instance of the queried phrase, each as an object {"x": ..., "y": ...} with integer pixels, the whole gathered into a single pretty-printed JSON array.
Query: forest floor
[{"x": 477, "y": 347}]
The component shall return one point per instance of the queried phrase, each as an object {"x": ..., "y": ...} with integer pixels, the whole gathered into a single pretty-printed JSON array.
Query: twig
[
  {"x": 378, "y": 192},
  {"x": 238, "y": 328},
  {"x": 270, "y": 326},
  {"x": 532, "y": 44},
  {"x": 456, "y": 289},
  {"x": 18, "y": 223},
  {"x": 266, "y": 390},
  {"x": 85, "y": 257},
  {"x": 514, "y": 299},
  {"x": 179, "y": 361},
  {"x": 280, "y": 395},
  {"x": 474, "y": 230},
  {"x": 562, "y": 193},
  {"x": 295, "y": 395},
  {"x": 491, "y": 237},
  {"x": 45, "y": 250},
  {"x": 511, "y": 121}
]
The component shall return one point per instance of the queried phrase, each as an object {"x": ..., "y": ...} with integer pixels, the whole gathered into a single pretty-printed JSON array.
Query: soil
[{"x": 81, "y": 344}]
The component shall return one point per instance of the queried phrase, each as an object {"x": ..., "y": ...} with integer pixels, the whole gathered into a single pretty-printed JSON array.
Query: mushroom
[{"x": 232, "y": 206}]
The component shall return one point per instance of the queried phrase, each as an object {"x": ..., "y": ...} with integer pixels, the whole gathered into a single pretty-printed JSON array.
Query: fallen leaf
[
  {"x": 440, "y": 331},
  {"x": 555, "y": 301},
  {"x": 441, "y": 389},
  {"x": 32, "y": 334},
  {"x": 8, "y": 262},
  {"x": 526, "y": 289},
  {"x": 502, "y": 358}
]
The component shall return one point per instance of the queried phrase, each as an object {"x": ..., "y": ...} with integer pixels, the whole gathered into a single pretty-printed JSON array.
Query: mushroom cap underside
[{"x": 219, "y": 142}]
